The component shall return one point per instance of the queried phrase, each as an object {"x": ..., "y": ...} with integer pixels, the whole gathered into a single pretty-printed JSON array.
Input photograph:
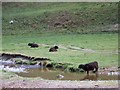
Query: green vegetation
[
  {"x": 40, "y": 18},
  {"x": 98, "y": 47},
  {"x": 18, "y": 62},
  {"x": 84, "y": 32}
]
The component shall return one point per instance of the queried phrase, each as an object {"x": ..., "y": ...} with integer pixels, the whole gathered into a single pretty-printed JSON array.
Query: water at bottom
[{"x": 51, "y": 74}]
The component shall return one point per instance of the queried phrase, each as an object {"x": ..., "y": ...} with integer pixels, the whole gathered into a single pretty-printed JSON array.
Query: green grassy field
[
  {"x": 97, "y": 47},
  {"x": 80, "y": 25},
  {"x": 59, "y": 18}
]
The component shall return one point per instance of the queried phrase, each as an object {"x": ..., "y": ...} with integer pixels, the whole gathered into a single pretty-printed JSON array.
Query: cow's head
[
  {"x": 81, "y": 66},
  {"x": 56, "y": 47},
  {"x": 29, "y": 44}
]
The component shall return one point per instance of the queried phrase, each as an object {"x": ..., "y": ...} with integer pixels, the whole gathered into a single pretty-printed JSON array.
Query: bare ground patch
[{"x": 39, "y": 83}]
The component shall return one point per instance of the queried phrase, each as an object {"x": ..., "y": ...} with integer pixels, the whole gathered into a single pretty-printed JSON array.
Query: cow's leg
[
  {"x": 88, "y": 72},
  {"x": 96, "y": 69}
]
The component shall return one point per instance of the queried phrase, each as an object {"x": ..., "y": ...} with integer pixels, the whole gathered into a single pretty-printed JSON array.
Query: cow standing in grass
[{"x": 89, "y": 67}]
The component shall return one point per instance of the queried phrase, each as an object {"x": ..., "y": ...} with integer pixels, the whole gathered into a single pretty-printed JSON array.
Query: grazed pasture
[{"x": 73, "y": 49}]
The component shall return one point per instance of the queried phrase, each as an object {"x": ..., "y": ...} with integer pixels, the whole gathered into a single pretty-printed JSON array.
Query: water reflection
[
  {"x": 91, "y": 77},
  {"x": 42, "y": 69},
  {"x": 51, "y": 74}
]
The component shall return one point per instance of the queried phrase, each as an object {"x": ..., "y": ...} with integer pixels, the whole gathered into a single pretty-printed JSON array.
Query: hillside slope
[{"x": 42, "y": 18}]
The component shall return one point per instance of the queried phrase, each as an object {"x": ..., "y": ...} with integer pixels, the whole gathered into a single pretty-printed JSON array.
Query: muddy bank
[
  {"x": 59, "y": 84},
  {"x": 5, "y": 56},
  {"x": 23, "y": 59}
]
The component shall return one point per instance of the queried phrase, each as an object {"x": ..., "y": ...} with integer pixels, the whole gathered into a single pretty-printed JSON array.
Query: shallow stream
[
  {"x": 33, "y": 71},
  {"x": 46, "y": 73}
]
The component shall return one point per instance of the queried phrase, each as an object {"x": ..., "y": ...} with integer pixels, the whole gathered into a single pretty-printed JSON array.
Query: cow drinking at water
[{"x": 89, "y": 67}]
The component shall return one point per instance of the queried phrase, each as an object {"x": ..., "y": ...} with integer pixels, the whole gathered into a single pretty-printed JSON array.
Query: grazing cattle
[
  {"x": 89, "y": 66},
  {"x": 53, "y": 49},
  {"x": 33, "y": 45}
]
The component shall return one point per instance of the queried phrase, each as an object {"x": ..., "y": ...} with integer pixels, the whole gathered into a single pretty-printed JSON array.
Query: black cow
[
  {"x": 33, "y": 45},
  {"x": 53, "y": 49},
  {"x": 89, "y": 66}
]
